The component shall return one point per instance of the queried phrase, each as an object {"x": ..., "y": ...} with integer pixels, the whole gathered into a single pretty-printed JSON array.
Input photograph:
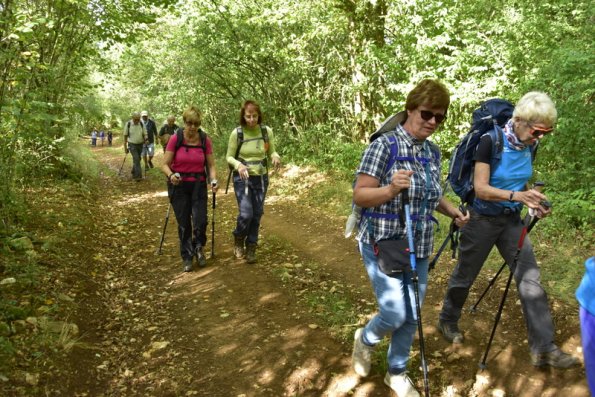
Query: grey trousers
[{"x": 477, "y": 239}]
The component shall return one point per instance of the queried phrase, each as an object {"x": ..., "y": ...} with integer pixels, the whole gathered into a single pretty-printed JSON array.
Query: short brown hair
[
  {"x": 243, "y": 111},
  {"x": 192, "y": 114},
  {"x": 428, "y": 92}
]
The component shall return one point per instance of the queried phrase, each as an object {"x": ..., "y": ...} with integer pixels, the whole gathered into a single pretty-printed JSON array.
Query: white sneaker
[
  {"x": 401, "y": 384},
  {"x": 361, "y": 358}
]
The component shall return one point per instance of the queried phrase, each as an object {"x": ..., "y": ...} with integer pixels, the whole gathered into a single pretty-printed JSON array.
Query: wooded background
[{"x": 335, "y": 67}]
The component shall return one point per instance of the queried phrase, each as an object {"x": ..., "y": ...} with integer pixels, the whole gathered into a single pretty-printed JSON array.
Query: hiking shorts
[{"x": 148, "y": 150}]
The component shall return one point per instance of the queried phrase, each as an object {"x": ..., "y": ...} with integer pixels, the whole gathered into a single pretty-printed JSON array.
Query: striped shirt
[{"x": 424, "y": 193}]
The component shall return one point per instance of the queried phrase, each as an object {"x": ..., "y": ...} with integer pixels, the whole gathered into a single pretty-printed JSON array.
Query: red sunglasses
[{"x": 538, "y": 131}]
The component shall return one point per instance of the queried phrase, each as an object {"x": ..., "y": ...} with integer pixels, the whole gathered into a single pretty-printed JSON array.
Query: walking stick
[
  {"x": 122, "y": 166},
  {"x": 415, "y": 280},
  {"x": 453, "y": 237},
  {"x": 163, "y": 232},
  {"x": 213, "y": 226},
  {"x": 538, "y": 186},
  {"x": 146, "y": 150},
  {"x": 473, "y": 309},
  {"x": 228, "y": 180},
  {"x": 532, "y": 221}
]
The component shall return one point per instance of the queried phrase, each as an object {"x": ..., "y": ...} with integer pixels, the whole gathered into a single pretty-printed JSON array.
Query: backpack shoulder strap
[
  {"x": 240, "y": 136},
  {"x": 394, "y": 152},
  {"x": 497, "y": 136},
  {"x": 265, "y": 133},
  {"x": 179, "y": 139},
  {"x": 435, "y": 150}
]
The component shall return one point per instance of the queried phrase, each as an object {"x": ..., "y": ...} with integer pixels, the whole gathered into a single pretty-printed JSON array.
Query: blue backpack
[{"x": 489, "y": 118}]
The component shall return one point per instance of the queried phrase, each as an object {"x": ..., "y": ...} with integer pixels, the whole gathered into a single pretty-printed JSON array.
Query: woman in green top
[{"x": 250, "y": 145}]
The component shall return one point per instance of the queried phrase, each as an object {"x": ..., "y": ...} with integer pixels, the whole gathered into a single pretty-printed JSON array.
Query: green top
[{"x": 252, "y": 150}]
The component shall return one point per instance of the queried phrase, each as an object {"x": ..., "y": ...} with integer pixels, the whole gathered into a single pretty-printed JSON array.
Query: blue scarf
[{"x": 511, "y": 137}]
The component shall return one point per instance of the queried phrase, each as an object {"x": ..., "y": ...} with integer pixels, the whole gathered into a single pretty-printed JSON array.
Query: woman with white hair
[{"x": 501, "y": 193}]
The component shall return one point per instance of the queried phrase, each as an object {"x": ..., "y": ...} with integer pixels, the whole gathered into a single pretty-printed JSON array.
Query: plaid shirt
[{"x": 421, "y": 194}]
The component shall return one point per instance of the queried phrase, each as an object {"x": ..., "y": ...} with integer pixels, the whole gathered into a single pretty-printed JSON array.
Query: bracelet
[{"x": 511, "y": 196}]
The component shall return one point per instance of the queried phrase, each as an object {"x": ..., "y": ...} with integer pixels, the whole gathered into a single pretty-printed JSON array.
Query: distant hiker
[
  {"x": 110, "y": 137},
  {"x": 414, "y": 170},
  {"x": 500, "y": 194},
  {"x": 102, "y": 136},
  {"x": 135, "y": 136},
  {"x": 94, "y": 137},
  {"x": 250, "y": 145},
  {"x": 189, "y": 163},
  {"x": 167, "y": 131},
  {"x": 586, "y": 300},
  {"x": 149, "y": 149}
]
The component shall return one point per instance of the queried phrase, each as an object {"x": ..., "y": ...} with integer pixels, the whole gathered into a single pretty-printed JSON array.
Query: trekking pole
[
  {"x": 228, "y": 179},
  {"x": 415, "y": 280},
  {"x": 213, "y": 226},
  {"x": 532, "y": 221},
  {"x": 473, "y": 309},
  {"x": 538, "y": 186},
  {"x": 453, "y": 237},
  {"x": 146, "y": 150},
  {"x": 122, "y": 166},
  {"x": 163, "y": 231}
]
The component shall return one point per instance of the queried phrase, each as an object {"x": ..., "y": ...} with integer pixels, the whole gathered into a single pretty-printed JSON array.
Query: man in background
[
  {"x": 135, "y": 137},
  {"x": 149, "y": 148},
  {"x": 167, "y": 131}
]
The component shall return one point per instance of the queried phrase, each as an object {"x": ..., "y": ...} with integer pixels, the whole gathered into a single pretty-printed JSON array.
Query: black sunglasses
[{"x": 427, "y": 116}]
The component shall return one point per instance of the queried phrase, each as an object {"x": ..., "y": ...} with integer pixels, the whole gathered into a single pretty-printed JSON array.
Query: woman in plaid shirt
[{"x": 416, "y": 171}]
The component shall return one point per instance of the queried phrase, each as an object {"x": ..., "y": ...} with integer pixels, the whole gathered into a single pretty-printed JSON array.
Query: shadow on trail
[{"x": 233, "y": 329}]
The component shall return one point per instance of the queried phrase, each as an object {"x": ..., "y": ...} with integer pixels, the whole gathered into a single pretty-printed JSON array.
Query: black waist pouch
[{"x": 393, "y": 256}]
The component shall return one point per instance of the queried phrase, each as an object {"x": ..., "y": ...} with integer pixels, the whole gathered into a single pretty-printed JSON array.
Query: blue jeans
[
  {"x": 397, "y": 315},
  {"x": 251, "y": 205},
  {"x": 135, "y": 150}
]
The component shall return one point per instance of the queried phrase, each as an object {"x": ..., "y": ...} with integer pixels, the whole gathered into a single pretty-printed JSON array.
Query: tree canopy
[{"x": 334, "y": 67}]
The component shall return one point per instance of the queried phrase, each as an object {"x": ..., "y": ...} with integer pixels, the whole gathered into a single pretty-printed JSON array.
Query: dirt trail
[{"x": 233, "y": 329}]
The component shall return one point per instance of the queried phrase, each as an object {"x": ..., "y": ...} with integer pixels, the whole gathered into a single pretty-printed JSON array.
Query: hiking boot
[
  {"x": 187, "y": 265},
  {"x": 450, "y": 331},
  {"x": 251, "y": 253},
  {"x": 361, "y": 358},
  {"x": 238, "y": 248},
  {"x": 401, "y": 384},
  {"x": 200, "y": 257},
  {"x": 556, "y": 358}
]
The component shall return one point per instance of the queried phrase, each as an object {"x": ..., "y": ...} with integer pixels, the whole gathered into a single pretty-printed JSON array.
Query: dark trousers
[
  {"x": 135, "y": 150},
  {"x": 477, "y": 239},
  {"x": 250, "y": 204},
  {"x": 189, "y": 201}
]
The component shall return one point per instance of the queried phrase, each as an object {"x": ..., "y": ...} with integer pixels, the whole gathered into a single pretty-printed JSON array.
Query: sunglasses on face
[
  {"x": 539, "y": 132},
  {"x": 192, "y": 123},
  {"x": 427, "y": 116}
]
